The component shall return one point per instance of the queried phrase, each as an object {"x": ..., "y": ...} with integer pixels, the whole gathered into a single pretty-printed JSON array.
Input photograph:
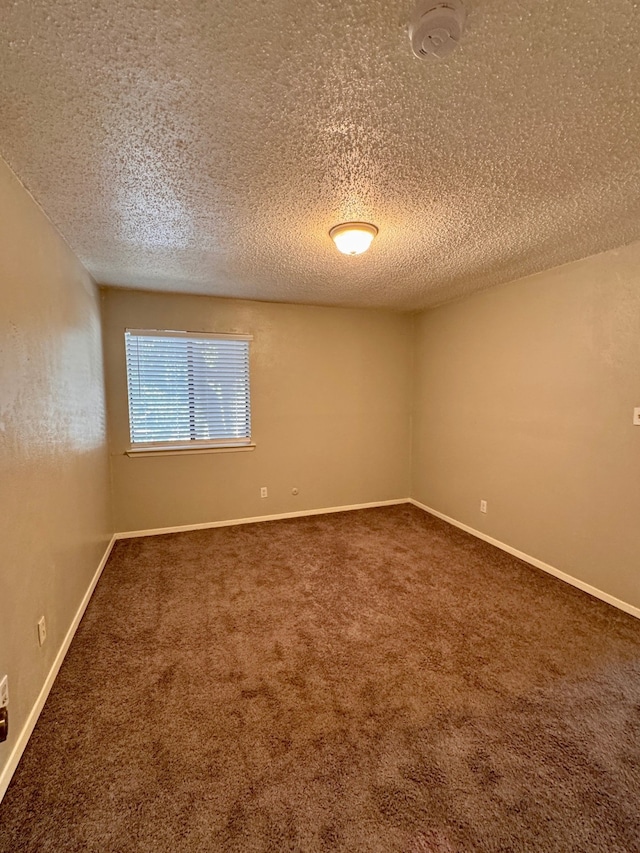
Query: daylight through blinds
[{"x": 188, "y": 388}]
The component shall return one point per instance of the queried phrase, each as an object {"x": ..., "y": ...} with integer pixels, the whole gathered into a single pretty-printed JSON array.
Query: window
[{"x": 188, "y": 389}]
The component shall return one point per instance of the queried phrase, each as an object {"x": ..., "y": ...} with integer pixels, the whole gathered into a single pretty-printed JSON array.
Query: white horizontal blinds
[{"x": 188, "y": 388}]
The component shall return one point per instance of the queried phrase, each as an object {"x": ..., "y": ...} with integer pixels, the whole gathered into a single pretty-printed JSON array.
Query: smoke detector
[{"x": 436, "y": 27}]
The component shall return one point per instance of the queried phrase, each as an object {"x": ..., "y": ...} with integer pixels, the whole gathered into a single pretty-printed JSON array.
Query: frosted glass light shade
[{"x": 353, "y": 238}]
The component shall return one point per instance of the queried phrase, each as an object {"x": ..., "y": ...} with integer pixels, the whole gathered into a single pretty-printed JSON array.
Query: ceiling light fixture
[{"x": 353, "y": 238}]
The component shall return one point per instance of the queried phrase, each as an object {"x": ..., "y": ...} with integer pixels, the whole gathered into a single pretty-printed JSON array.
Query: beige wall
[
  {"x": 54, "y": 486},
  {"x": 523, "y": 396},
  {"x": 330, "y": 391}
]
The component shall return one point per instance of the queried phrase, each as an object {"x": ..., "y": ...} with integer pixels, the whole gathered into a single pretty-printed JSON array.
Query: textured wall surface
[
  {"x": 209, "y": 147},
  {"x": 524, "y": 397},
  {"x": 330, "y": 400},
  {"x": 54, "y": 484}
]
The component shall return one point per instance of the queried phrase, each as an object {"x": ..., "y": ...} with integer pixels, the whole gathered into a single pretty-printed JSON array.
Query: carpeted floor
[{"x": 364, "y": 681}]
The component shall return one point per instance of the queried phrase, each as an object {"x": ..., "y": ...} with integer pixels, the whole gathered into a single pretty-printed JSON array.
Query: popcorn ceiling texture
[{"x": 209, "y": 147}]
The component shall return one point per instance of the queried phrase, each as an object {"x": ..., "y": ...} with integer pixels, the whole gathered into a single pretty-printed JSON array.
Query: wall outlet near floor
[
  {"x": 483, "y": 506},
  {"x": 636, "y": 416},
  {"x": 4, "y": 691},
  {"x": 42, "y": 630},
  {"x": 263, "y": 492}
]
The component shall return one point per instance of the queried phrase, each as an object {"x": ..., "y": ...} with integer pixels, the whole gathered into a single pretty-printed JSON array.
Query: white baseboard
[
  {"x": 32, "y": 719},
  {"x": 563, "y": 576},
  {"x": 157, "y": 531}
]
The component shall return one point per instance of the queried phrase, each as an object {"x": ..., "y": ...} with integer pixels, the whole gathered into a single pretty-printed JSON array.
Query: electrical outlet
[
  {"x": 636, "y": 416},
  {"x": 42, "y": 630},
  {"x": 483, "y": 506},
  {"x": 4, "y": 691},
  {"x": 263, "y": 492}
]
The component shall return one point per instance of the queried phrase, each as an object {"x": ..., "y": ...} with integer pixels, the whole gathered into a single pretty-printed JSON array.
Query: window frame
[{"x": 181, "y": 446}]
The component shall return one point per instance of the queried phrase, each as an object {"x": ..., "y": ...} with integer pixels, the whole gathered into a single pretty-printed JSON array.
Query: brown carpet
[{"x": 364, "y": 681}]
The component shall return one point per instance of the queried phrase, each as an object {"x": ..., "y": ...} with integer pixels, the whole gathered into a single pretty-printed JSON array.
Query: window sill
[{"x": 179, "y": 451}]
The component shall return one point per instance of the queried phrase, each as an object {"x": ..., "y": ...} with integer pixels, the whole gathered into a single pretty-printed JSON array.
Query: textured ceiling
[{"x": 208, "y": 147}]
